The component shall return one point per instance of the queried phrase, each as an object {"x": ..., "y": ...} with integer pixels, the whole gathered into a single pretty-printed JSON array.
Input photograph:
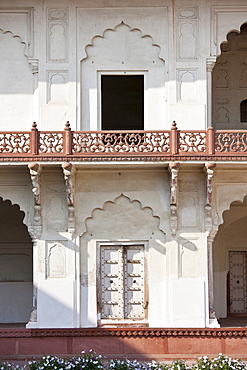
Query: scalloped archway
[
  {"x": 229, "y": 82},
  {"x": 16, "y": 271},
  {"x": 230, "y": 262}
]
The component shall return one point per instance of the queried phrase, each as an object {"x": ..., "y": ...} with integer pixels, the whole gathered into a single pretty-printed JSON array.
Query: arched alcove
[
  {"x": 230, "y": 262},
  {"x": 15, "y": 267},
  {"x": 118, "y": 54},
  {"x": 122, "y": 261},
  {"x": 243, "y": 110},
  {"x": 229, "y": 82}
]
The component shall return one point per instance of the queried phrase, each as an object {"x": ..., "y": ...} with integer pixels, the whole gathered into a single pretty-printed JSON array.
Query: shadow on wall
[{"x": 16, "y": 79}]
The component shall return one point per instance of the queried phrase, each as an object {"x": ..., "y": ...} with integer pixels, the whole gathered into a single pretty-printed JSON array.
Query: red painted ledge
[
  {"x": 142, "y": 344},
  {"x": 123, "y": 332}
]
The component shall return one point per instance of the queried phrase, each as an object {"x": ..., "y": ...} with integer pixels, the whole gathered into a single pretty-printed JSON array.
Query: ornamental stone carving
[
  {"x": 35, "y": 171},
  {"x": 69, "y": 177},
  {"x": 174, "y": 168}
]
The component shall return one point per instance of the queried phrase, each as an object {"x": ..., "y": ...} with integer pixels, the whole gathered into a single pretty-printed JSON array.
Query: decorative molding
[
  {"x": 187, "y": 258},
  {"x": 187, "y": 13},
  {"x": 188, "y": 186},
  {"x": 55, "y": 259},
  {"x": 69, "y": 177},
  {"x": 210, "y": 63},
  {"x": 126, "y": 332},
  {"x": 57, "y": 35},
  {"x": 97, "y": 39},
  {"x": 222, "y": 78},
  {"x": 34, "y": 65},
  {"x": 174, "y": 168},
  {"x": 187, "y": 84},
  {"x": 15, "y": 25},
  {"x": 56, "y": 206},
  {"x": 57, "y": 14},
  {"x": 143, "y": 213},
  {"x": 187, "y": 44},
  {"x": 57, "y": 86},
  {"x": 140, "y": 158}
]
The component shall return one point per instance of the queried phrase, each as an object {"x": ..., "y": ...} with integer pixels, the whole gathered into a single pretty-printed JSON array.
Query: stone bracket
[
  {"x": 35, "y": 171},
  {"x": 69, "y": 177},
  {"x": 174, "y": 168},
  {"x": 209, "y": 170},
  {"x": 34, "y": 65}
]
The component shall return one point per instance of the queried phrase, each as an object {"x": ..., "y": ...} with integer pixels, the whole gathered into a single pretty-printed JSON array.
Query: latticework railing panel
[
  {"x": 14, "y": 143},
  {"x": 192, "y": 142},
  {"x": 120, "y": 142},
  {"x": 230, "y": 142},
  {"x": 51, "y": 142}
]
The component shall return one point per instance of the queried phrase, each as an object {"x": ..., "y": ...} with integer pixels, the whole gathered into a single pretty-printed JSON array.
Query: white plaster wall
[{"x": 55, "y": 268}]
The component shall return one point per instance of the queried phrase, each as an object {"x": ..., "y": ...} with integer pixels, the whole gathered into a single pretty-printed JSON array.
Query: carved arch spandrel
[
  {"x": 121, "y": 218},
  {"x": 19, "y": 21},
  {"x": 108, "y": 33}
]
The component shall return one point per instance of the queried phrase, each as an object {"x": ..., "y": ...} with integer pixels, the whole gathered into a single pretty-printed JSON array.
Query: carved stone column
[
  {"x": 174, "y": 168},
  {"x": 69, "y": 177},
  {"x": 210, "y": 63},
  {"x": 35, "y": 233},
  {"x": 211, "y": 232}
]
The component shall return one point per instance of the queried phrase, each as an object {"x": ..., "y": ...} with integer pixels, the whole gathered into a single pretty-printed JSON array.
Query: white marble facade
[{"x": 161, "y": 230}]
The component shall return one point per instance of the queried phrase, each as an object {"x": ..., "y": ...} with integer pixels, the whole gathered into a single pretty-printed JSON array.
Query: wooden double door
[{"x": 237, "y": 284}]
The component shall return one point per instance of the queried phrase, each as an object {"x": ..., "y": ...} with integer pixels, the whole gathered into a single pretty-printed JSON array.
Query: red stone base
[{"x": 134, "y": 343}]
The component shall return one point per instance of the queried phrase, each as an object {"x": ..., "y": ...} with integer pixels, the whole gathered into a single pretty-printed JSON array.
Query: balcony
[{"x": 174, "y": 144}]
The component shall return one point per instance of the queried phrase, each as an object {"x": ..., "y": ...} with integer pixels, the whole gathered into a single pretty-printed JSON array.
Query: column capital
[{"x": 210, "y": 63}]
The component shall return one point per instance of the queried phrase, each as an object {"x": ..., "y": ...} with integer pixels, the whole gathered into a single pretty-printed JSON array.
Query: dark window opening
[
  {"x": 243, "y": 111},
  {"x": 122, "y": 102}
]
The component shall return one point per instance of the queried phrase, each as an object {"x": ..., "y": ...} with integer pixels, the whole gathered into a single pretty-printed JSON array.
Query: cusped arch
[
  {"x": 11, "y": 218},
  {"x": 138, "y": 41},
  {"x": 237, "y": 210},
  {"x": 233, "y": 38},
  {"x": 17, "y": 37},
  {"x": 122, "y": 218}
]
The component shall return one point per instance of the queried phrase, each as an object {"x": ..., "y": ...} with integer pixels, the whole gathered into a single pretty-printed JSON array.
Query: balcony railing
[{"x": 174, "y": 143}]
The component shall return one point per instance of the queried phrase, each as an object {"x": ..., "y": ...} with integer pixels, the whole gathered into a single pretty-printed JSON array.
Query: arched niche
[
  {"x": 16, "y": 86},
  {"x": 230, "y": 262},
  {"x": 123, "y": 224},
  {"x": 16, "y": 271},
  {"x": 229, "y": 82},
  {"x": 122, "y": 51}
]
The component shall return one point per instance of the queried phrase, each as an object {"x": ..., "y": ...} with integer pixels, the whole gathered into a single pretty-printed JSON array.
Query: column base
[{"x": 213, "y": 323}]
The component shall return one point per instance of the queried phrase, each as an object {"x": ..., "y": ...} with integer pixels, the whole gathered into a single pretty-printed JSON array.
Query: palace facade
[{"x": 123, "y": 165}]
